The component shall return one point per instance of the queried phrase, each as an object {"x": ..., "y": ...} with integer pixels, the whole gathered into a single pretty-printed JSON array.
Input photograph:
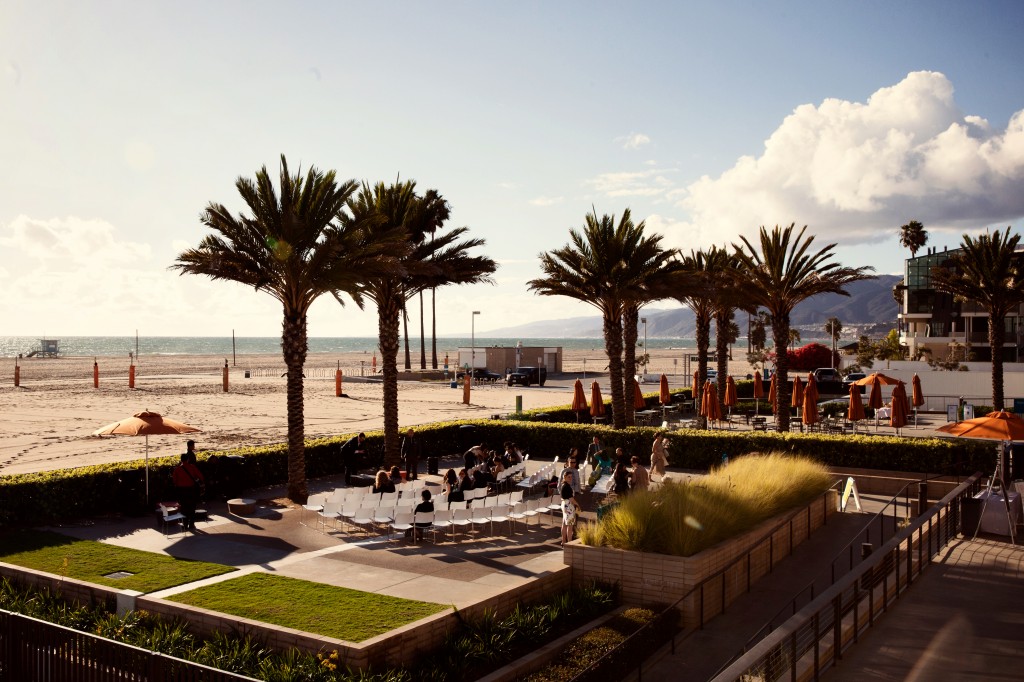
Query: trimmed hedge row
[{"x": 119, "y": 488}]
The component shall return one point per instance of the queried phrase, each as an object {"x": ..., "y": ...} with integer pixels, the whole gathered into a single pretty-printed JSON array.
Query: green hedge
[{"x": 119, "y": 488}]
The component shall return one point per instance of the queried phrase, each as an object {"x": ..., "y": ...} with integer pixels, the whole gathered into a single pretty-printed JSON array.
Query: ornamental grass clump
[{"x": 682, "y": 519}]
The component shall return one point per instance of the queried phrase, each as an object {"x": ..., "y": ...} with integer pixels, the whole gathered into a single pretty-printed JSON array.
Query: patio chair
[
  {"x": 442, "y": 522},
  {"x": 383, "y": 516},
  {"x": 331, "y": 509},
  {"x": 169, "y": 514},
  {"x": 461, "y": 518},
  {"x": 518, "y": 513},
  {"x": 422, "y": 522},
  {"x": 481, "y": 516},
  {"x": 401, "y": 523},
  {"x": 533, "y": 509},
  {"x": 363, "y": 517},
  {"x": 499, "y": 514},
  {"x": 315, "y": 503},
  {"x": 457, "y": 504}
]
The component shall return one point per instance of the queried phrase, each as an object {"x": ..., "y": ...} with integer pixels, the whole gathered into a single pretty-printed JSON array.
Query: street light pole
[{"x": 472, "y": 351}]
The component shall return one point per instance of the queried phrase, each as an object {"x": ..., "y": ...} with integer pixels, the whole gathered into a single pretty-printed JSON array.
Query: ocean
[{"x": 11, "y": 346}]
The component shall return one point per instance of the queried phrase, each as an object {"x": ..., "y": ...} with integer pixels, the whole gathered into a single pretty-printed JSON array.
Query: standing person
[
  {"x": 639, "y": 479},
  {"x": 593, "y": 451},
  {"x": 188, "y": 484},
  {"x": 411, "y": 454},
  {"x": 572, "y": 471},
  {"x": 659, "y": 455},
  {"x": 352, "y": 453},
  {"x": 570, "y": 508},
  {"x": 620, "y": 480}
]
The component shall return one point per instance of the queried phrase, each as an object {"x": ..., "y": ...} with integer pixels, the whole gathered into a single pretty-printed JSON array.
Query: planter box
[{"x": 648, "y": 579}]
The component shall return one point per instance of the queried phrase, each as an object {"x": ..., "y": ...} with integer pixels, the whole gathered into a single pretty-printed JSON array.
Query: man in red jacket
[{"x": 188, "y": 483}]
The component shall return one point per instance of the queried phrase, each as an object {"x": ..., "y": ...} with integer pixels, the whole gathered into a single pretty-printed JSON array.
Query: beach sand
[{"x": 47, "y": 422}]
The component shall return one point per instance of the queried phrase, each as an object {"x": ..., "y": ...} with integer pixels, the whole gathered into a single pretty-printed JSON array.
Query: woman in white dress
[{"x": 659, "y": 455}]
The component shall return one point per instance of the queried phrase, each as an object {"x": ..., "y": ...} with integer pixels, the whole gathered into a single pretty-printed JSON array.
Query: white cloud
[
  {"x": 633, "y": 141},
  {"x": 70, "y": 241},
  {"x": 546, "y": 201},
  {"x": 648, "y": 183},
  {"x": 853, "y": 171}
]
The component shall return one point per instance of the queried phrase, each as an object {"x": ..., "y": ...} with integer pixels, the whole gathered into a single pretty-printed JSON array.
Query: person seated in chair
[
  {"x": 426, "y": 506},
  {"x": 383, "y": 483}
]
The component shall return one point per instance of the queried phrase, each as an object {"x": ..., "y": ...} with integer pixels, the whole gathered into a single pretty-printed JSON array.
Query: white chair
[
  {"x": 331, "y": 509},
  {"x": 442, "y": 521},
  {"x": 499, "y": 514},
  {"x": 388, "y": 499},
  {"x": 533, "y": 507},
  {"x": 383, "y": 516},
  {"x": 515, "y": 496},
  {"x": 457, "y": 504},
  {"x": 481, "y": 516},
  {"x": 363, "y": 517},
  {"x": 314, "y": 503},
  {"x": 518, "y": 513},
  {"x": 169, "y": 514},
  {"x": 461, "y": 518},
  {"x": 422, "y": 522},
  {"x": 491, "y": 501},
  {"x": 402, "y": 522},
  {"x": 404, "y": 502}
]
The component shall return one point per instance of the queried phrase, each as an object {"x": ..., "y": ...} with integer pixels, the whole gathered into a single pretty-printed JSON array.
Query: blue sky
[{"x": 121, "y": 121}]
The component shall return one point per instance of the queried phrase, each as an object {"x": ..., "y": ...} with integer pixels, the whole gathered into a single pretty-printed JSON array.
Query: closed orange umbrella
[
  {"x": 856, "y": 410},
  {"x": 875, "y": 398},
  {"x": 810, "y": 401},
  {"x": 773, "y": 391},
  {"x": 710, "y": 408},
  {"x": 695, "y": 388},
  {"x": 798, "y": 393},
  {"x": 730, "y": 392},
  {"x": 811, "y": 392},
  {"x": 758, "y": 386},
  {"x": 898, "y": 415},
  {"x": 664, "y": 395},
  {"x": 596, "y": 402},
  {"x": 639, "y": 402},
  {"x": 916, "y": 392},
  {"x": 579, "y": 399}
]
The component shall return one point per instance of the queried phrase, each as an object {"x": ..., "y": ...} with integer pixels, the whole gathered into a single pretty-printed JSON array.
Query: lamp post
[
  {"x": 472, "y": 351},
  {"x": 832, "y": 333},
  {"x": 646, "y": 354}
]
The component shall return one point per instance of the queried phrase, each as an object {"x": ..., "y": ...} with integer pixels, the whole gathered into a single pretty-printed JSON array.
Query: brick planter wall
[{"x": 648, "y": 579}]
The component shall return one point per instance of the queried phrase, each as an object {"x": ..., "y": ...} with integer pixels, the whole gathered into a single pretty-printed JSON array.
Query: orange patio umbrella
[
  {"x": 898, "y": 415},
  {"x": 596, "y": 402},
  {"x": 810, "y": 402},
  {"x": 875, "y": 398},
  {"x": 711, "y": 410},
  {"x": 917, "y": 399},
  {"x": 146, "y": 424},
  {"x": 579, "y": 399},
  {"x": 1000, "y": 425},
  {"x": 730, "y": 393},
  {"x": 856, "y": 410},
  {"x": 758, "y": 392},
  {"x": 773, "y": 391},
  {"x": 798, "y": 393},
  {"x": 664, "y": 396},
  {"x": 695, "y": 390},
  {"x": 882, "y": 379},
  {"x": 639, "y": 403}
]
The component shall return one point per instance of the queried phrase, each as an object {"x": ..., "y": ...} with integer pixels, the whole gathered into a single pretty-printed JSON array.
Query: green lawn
[
  {"x": 91, "y": 561},
  {"x": 311, "y": 607}
]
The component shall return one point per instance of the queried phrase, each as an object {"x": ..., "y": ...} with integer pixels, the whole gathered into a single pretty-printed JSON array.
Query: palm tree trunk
[
  {"x": 629, "y": 335},
  {"x": 703, "y": 333},
  {"x": 613, "y": 348},
  {"x": 780, "y": 333},
  {"x": 722, "y": 318},
  {"x": 294, "y": 348},
  {"x": 423, "y": 337},
  {"x": 388, "y": 330},
  {"x": 405, "y": 329},
  {"x": 433, "y": 328},
  {"x": 996, "y": 338}
]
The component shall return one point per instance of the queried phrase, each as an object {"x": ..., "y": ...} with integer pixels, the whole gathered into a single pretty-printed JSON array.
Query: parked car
[
  {"x": 827, "y": 374},
  {"x": 852, "y": 378},
  {"x": 528, "y": 375},
  {"x": 480, "y": 374}
]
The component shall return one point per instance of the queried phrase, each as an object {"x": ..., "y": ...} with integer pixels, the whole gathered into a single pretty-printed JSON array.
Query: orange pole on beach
[
  {"x": 465, "y": 389},
  {"x": 225, "y": 375},
  {"x": 95, "y": 374},
  {"x": 131, "y": 376},
  {"x": 337, "y": 383},
  {"x": 17, "y": 374}
]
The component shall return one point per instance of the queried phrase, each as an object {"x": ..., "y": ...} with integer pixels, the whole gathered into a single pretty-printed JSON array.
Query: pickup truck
[{"x": 528, "y": 375}]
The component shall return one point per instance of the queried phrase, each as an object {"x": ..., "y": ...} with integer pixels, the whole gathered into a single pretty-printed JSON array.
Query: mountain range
[{"x": 869, "y": 309}]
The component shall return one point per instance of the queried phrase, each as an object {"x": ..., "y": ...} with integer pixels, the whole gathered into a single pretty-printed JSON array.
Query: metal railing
[
  {"x": 818, "y": 634},
  {"x": 631, "y": 654},
  {"x": 33, "y": 649}
]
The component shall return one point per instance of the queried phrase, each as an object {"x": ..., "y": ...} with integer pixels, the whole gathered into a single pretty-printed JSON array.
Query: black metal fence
[
  {"x": 816, "y": 636},
  {"x": 33, "y": 650}
]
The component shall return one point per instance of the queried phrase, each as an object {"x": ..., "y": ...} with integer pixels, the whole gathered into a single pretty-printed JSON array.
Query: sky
[{"x": 121, "y": 121}]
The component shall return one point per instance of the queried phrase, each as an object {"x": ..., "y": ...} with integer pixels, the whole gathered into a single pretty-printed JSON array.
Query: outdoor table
[
  {"x": 994, "y": 519},
  {"x": 645, "y": 416},
  {"x": 883, "y": 413}
]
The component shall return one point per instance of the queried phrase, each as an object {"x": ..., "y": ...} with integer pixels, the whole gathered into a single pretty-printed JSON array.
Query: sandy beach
[{"x": 47, "y": 422}]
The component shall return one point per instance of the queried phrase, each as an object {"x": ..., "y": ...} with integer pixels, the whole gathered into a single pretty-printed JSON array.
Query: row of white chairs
[
  {"x": 539, "y": 477},
  {"x": 409, "y": 492},
  {"x": 445, "y": 520},
  {"x": 354, "y": 511}
]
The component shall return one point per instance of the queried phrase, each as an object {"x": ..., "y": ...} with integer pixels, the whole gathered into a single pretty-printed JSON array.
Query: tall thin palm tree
[
  {"x": 594, "y": 268},
  {"x": 696, "y": 283},
  {"x": 726, "y": 297},
  {"x": 778, "y": 274},
  {"x": 292, "y": 246},
  {"x": 986, "y": 270},
  {"x": 913, "y": 236},
  {"x": 396, "y": 209}
]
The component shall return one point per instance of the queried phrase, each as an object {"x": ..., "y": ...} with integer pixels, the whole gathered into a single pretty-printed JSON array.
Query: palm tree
[
  {"x": 727, "y": 297},
  {"x": 696, "y": 278},
  {"x": 594, "y": 268},
  {"x": 396, "y": 210},
  {"x": 987, "y": 271},
  {"x": 913, "y": 236},
  {"x": 780, "y": 274},
  {"x": 291, "y": 247}
]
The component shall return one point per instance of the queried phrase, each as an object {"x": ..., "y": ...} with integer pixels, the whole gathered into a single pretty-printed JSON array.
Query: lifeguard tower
[{"x": 48, "y": 348}]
